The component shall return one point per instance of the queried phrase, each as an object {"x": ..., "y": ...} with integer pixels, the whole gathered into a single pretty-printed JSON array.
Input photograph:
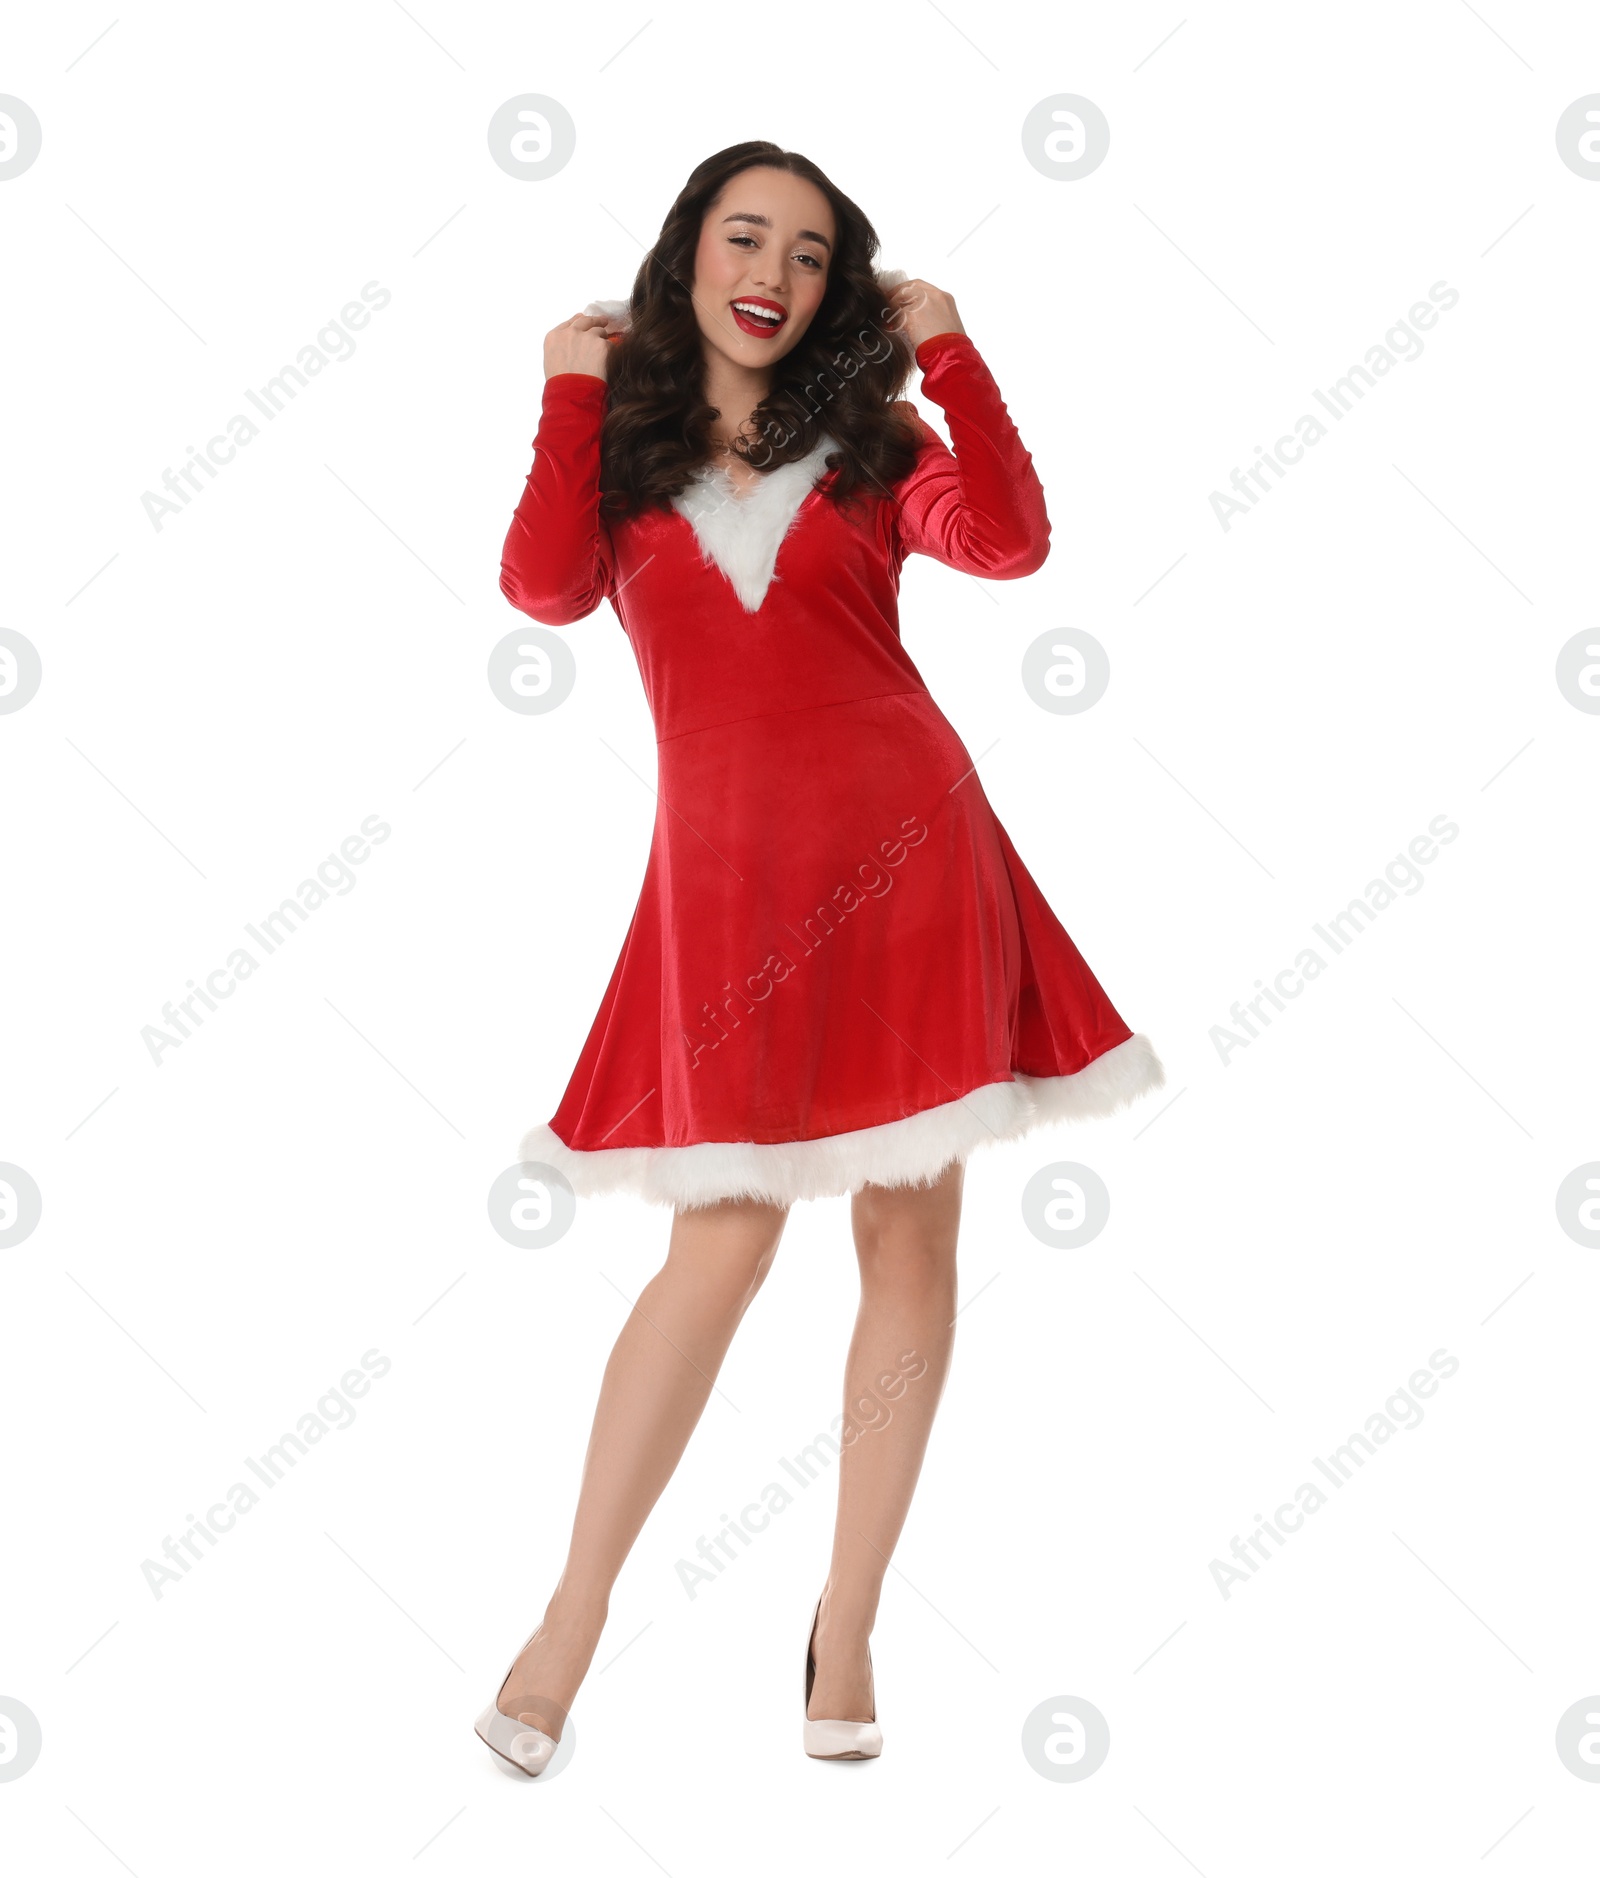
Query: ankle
[
  {"x": 847, "y": 1613},
  {"x": 575, "y": 1614}
]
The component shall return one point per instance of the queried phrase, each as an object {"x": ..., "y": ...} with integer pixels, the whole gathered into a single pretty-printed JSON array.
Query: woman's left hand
[{"x": 923, "y": 310}]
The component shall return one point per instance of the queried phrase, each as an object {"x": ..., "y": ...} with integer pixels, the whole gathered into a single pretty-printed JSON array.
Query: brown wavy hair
[{"x": 852, "y": 362}]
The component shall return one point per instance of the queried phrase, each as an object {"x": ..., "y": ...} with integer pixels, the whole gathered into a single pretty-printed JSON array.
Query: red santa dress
[{"x": 839, "y": 970}]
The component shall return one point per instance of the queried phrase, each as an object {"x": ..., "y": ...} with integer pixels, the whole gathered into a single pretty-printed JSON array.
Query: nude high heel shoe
[
  {"x": 526, "y": 1748},
  {"x": 838, "y": 1740}
]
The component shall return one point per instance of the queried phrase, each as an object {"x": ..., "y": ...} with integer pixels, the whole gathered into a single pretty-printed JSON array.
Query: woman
[{"x": 839, "y": 978}]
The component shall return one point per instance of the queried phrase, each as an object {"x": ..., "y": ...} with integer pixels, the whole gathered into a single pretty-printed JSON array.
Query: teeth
[{"x": 759, "y": 312}]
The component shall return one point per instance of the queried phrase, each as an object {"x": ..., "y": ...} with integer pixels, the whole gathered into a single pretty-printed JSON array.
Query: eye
[{"x": 800, "y": 256}]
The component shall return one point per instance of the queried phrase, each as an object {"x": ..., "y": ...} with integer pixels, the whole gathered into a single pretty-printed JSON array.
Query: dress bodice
[{"x": 740, "y": 606}]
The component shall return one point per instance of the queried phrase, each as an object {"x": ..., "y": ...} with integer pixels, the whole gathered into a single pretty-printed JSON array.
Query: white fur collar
[{"x": 741, "y": 534}]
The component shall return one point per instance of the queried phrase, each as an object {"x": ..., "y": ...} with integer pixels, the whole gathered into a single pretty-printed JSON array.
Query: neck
[{"x": 735, "y": 390}]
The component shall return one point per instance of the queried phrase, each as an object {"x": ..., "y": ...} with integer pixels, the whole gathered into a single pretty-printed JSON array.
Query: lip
[{"x": 754, "y": 328}]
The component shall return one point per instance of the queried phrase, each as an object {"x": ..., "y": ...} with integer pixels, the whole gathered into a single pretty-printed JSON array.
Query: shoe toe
[
  {"x": 514, "y": 1741},
  {"x": 531, "y": 1749},
  {"x": 843, "y": 1740}
]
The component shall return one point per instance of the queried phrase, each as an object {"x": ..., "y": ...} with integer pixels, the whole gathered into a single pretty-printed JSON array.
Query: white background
[{"x": 1292, "y": 701}]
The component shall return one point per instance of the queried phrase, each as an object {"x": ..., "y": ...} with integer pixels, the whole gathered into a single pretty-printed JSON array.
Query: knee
[
  {"x": 752, "y": 1263},
  {"x": 759, "y": 1268},
  {"x": 915, "y": 1262},
  {"x": 727, "y": 1249},
  {"x": 899, "y": 1242},
  {"x": 739, "y": 1276}
]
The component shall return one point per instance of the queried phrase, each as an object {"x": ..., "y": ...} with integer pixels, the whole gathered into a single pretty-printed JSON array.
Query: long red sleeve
[
  {"x": 557, "y": 564},
  {"x": 982, "y": 509}
]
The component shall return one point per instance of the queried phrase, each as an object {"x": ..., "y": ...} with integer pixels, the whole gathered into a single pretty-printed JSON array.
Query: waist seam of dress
[{"x": 836, "y": 704}]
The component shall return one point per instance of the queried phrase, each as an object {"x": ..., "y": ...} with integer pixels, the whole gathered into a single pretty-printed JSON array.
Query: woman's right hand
[{"x": 577, "y": 345}]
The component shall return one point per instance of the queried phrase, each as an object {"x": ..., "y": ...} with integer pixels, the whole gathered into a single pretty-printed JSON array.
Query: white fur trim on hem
[{"x": 910, "y": 1152}]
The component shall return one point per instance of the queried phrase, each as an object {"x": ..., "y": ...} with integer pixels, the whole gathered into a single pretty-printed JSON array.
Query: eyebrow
[{"x": 764, "y": 221}]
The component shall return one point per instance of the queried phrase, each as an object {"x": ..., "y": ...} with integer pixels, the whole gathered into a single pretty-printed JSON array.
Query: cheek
[
  {"x": 809, "y": 297},
  {"x": 711, "y": 259}
]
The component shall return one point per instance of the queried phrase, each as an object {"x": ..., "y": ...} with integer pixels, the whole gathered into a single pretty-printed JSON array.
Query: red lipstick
[{"x": 753, "y": 323}]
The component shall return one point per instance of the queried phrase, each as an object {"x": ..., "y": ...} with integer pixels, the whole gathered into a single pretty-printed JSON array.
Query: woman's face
[{"x": 766, "y": 242}]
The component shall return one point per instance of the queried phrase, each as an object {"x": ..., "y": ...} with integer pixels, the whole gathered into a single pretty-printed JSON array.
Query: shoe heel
[{"x": 836, "y": 1740}]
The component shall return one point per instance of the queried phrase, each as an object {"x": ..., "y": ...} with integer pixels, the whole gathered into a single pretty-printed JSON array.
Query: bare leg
[
  {"x": 656, "y": 1384},
  {"x": 894, "y": 1376}
]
